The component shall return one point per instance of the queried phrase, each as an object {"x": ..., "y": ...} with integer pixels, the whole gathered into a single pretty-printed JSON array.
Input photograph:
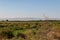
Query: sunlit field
[{"x": 30, "y": 30}]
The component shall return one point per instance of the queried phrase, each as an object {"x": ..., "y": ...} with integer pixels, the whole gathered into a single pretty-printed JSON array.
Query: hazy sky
[{"x": 29, "y": 8}]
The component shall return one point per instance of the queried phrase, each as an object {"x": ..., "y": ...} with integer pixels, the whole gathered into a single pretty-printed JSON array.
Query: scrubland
[{"x": 30, "y": 30}]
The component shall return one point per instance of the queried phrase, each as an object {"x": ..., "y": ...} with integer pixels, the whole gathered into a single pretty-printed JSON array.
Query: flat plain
[{"x": 30, "y": 30}]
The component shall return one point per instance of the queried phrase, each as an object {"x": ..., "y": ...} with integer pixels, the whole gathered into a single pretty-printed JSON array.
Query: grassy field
[{"x": 30, "y": 30}]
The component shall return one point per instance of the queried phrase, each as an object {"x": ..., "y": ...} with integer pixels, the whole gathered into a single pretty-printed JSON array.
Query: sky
[{"x": 29, "y": 8}]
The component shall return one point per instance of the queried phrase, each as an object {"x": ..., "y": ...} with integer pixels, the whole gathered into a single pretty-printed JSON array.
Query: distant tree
[{"x": 7, "y": 20}]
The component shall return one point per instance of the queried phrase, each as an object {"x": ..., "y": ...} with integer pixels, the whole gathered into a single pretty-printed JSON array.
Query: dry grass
[{"x": 30, "y": 30}]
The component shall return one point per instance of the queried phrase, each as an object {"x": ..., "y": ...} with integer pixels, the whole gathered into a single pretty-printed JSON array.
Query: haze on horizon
[{"x": 29, "y": 8}]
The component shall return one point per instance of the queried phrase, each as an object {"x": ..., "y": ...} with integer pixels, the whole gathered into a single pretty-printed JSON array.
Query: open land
[{"x": 30, "y": 30}]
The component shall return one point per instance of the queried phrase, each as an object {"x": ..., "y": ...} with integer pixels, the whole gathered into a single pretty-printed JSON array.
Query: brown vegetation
[{"x": 29, "y": 30}]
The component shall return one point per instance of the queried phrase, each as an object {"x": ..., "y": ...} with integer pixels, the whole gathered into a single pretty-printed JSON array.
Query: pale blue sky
[{"x": 29, "y": 8}]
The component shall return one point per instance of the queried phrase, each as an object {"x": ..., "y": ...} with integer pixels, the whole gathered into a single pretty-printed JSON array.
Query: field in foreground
[{"x": 30, "y": 30}]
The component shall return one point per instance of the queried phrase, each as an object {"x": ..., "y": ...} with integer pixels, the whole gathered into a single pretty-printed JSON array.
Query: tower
[{"x": 45, "y": 17}]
